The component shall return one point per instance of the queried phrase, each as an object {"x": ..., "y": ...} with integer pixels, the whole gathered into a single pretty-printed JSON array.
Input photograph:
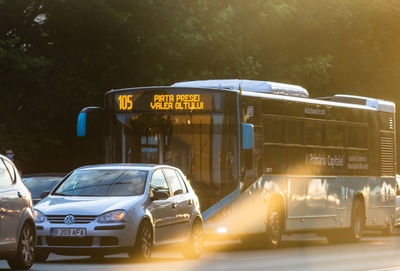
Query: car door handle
[
  {"x": 19, "y": 194},
  {"x": 173, "y": 205}
]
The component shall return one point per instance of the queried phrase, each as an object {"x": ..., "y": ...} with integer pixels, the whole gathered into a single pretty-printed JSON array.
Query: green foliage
[{"x": 57, "y": 56}]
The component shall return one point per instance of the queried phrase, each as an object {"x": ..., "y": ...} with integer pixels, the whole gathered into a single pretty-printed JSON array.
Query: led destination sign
[
  {"x": 177, "y": 102},
  {"x": 165, "y": 102}
]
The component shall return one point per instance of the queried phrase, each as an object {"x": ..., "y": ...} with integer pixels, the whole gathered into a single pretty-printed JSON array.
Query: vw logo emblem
[{"x": 69, "y": 219}]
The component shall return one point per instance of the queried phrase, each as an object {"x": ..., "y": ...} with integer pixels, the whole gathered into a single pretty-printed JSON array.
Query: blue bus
[{"x": 263, "y": 157}]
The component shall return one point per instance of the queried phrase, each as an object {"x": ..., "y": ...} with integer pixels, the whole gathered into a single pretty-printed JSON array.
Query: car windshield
[
  {"x": 38, "y": 185},
  {"x": 103, "y": 182}
]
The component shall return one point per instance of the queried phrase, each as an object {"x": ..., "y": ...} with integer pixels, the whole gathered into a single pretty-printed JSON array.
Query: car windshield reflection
[{"x": 103, "y": 183}]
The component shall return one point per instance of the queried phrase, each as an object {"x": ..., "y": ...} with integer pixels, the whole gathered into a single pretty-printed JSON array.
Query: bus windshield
[{"x": 203, "y": 145}]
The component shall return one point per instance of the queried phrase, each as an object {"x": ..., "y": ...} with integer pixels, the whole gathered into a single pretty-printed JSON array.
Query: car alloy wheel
[
  {"x": 26, "y": 249},
  {"x": 144, "y": 242},
  {"x": 195, "y": 245}
]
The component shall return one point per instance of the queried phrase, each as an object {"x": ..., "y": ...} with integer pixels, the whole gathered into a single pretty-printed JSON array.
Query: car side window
[
  {"x": 5, "y": 179},
  {"x": 158, "y": 182},
  {"x": 185, "y": 190},
  {"x": 173, "y": 180},
  {"x": 11, "y": 170}
]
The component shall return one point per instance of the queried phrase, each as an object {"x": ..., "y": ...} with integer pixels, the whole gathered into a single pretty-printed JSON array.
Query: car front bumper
[{"x": 103, "y": 238}]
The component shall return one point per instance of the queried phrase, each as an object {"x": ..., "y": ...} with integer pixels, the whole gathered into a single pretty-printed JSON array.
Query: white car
[
  {"x": 17, "y": 228},
  {"x": 114, "y": 208}
]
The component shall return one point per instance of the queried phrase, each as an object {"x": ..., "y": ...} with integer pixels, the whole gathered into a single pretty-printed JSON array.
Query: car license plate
[{"x": 67, "y": 232}]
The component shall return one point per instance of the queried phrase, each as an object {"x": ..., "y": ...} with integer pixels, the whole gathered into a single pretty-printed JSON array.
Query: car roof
[
  {"x": 46, "y": 174},
  {"x": 122, "y": 166}
]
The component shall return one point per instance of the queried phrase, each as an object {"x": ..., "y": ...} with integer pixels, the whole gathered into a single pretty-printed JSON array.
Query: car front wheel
[
  {"x": 24, "y": 258},
  {"x": 144, "y": 242}
]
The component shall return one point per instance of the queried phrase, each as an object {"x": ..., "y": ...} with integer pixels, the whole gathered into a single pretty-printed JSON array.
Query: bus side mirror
[
  {"x": 81, "y": 125},
  {"x": 248, "y": 144},
  {"x": 247, "y": 136},
  {"x": 95, "y": 114}
]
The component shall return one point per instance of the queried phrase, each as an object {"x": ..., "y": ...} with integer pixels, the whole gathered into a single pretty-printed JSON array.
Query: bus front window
[{"x": 203, "y": 146}]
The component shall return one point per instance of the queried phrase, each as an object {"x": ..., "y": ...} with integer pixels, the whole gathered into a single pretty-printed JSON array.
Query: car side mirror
[
  {"x": 159, "y": 195},
  {"x": 44, "y": 194}
]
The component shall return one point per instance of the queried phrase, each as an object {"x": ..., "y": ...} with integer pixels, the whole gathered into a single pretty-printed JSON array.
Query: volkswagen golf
[{"x": 113, "y": 208}]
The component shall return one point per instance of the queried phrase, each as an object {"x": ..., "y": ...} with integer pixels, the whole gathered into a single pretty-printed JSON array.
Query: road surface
[{"x": 298, "y": 252}]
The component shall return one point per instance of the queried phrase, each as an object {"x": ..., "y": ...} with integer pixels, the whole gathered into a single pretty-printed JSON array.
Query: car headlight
[
  {"x": 112, "y": 217},
  {"x": 38, "y": 216}
]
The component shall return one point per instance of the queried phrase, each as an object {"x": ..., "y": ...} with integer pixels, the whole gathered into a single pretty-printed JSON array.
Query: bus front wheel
[{"x": 274, "y": 229}]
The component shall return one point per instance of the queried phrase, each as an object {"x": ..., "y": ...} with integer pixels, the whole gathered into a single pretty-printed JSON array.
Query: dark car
[
  {"x": 17, "y": 227},
  {"x": 41, "y": 182}
]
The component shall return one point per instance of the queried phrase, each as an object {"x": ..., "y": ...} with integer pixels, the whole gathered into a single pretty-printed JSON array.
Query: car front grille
[
  {"x": 69, "y": 241},
  {"x": 79, "y": 219}
]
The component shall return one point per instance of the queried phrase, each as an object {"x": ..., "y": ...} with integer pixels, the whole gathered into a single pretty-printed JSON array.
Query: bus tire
[
  {"x": 354, "y": 233},
  {"x": 357, "y": 221},
  {"x": 273, "y": 233}
]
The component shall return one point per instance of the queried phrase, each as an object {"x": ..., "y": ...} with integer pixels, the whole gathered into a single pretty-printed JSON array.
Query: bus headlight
[{"x": 222, "y": 230}]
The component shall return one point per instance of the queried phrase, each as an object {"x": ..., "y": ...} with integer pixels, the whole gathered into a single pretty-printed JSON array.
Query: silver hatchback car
[
  {"x": 17, "y": 229},
  {"x": 113, "y": 208}
]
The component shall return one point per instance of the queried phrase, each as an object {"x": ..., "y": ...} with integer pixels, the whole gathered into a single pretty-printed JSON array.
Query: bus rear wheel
[{"x": 354, "y": 233}]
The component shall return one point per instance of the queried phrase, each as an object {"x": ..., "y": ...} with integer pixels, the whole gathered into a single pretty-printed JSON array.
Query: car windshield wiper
[{"x": 59, "y": 194}]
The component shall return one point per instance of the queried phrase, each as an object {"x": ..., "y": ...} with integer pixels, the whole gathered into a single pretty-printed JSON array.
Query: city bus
[{"x": 263, "y": 157}]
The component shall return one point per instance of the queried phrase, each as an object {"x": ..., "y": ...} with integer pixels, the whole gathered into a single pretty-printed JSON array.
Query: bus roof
[
  {"x": 369, "y": 103},
  {"x": 279, "y": 91},
  {"x": 247, "y": 85}
]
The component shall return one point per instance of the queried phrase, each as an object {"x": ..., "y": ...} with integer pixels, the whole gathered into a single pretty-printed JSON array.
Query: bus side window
[{"x": 294, "y": 131}]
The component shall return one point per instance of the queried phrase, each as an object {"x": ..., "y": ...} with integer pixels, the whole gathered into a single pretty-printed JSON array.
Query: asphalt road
[{"x": 298, "y": 252}]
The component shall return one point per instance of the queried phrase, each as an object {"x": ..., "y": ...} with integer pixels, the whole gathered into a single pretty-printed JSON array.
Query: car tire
[
  {"x": 25, "y": 256},
  {"x": 41, "y": 256},
  {"x": 144, "y": 242},
  {"x": 194, "y": 246}
]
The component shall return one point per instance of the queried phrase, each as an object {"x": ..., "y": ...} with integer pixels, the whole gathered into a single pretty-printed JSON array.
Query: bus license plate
[{"x": 67, "y": 232}]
